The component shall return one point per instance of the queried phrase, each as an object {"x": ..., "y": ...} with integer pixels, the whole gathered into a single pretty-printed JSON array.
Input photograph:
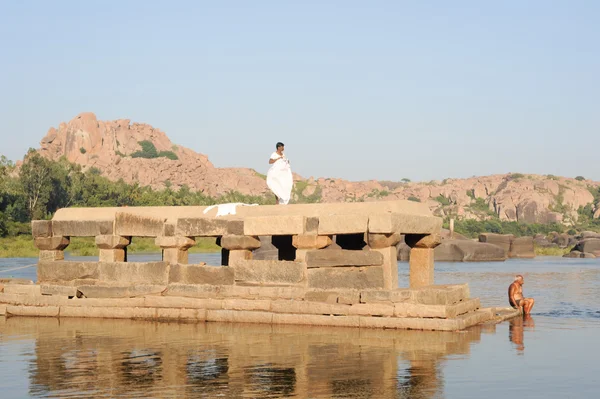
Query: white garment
[
  {"x": 280, "y": 179},
  {"x": 227, "y": 209}
]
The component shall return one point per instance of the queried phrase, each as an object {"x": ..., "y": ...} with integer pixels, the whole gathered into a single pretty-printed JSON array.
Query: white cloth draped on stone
[
  {"x": 226, "y": 209},
  {"x": 280, "y": 180}
]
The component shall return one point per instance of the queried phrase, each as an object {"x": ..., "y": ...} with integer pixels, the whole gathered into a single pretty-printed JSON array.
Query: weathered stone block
[
  {"x": 112, "y": 255},
  {"x": 38, "y": 311},
  {"x": 392, "y": 296},
  {"x": 82, "y": 228},
  {"x": 203, "y": 227},
  {"x": 404, "y": 224},
  {"x": 307, "y": 307},
  {"x": 372, "y": 309},
  {"x": 346, "y": 278},
  {"x": 316, "y": 320},
  {"x": 239, "y": 316},
  {"x": 348, "y": 297},
  {"x": 128, "y": 224},
  {"x": 99, "y": 291},
  {"x": 322, "y": 296},
  {"x": 312, "y": 225},
  {"x": 275, "y": 225},
  {"x": 194, "y": 274},
  {"x": 340, "y": 257},
  {"x": 51, "y": 243},
  {"x": 266, "y": 271},
  {"x": 246, "y": 304},
  {"x": 423, "y": 240},
  {"x": 174, "y": 256},
  {"x": 193, "y": 290},
  {"x": 112, "y": 242},
  {"x": 311, "y": 241},
  {"x": 168, "y": 229},
  {"x": 41, "y": 228},
  {"x": 377, "y": 241},
  {"x": 51, "y": 255},
  {"x": 108, "y": 313},
  {"x": 438, "y": 311},
  {"x": 2, "y": 310},
  {"x": 181, "y": 314},
  {"x": 301, "y": 255},
  {"x": 156, "y": 301},
  {"x": 250, "y": 292},
  {"x": 390, "y": 267},
  {"x": 440, "y": 294},
  {"x": 234, "y": 257},
  {"x": 179, "y": 242},
  {"x": 22, "y": 289},
  {"x": 66, "y": 271},
  {"x": 232, "y": 242},
  {"x": 342, "y": 224},
  {"x": 421, "y": 267},
  {"x": 148, "y": 273},
  {"x": 58, "y": 290}
]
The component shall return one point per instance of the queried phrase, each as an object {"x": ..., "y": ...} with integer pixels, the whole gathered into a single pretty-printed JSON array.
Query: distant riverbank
[{"x": 22, "y": 246}]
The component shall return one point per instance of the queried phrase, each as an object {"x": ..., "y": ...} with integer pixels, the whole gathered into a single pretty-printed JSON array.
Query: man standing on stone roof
[{"x": 279, "y": 177}]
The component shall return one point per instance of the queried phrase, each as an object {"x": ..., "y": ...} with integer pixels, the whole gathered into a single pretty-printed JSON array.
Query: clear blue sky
[{"x": 355, "y": 89}]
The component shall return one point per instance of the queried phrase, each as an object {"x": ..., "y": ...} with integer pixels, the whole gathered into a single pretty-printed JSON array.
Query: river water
[{"x": 552, "y": 354}]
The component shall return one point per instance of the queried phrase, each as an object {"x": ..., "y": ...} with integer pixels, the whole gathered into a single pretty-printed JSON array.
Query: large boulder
[
  {"x": 590, "y": 234},
  {"x": 500, "y": 240},
  {"x": 541, "y": 241},
  {"x": 573, "y": 254},
  {"x": 521, "y": 247},
  {"x": 468, "y": 251},
  {"x": 589, "y": 245},
  {"x": 562, "y": 240}
]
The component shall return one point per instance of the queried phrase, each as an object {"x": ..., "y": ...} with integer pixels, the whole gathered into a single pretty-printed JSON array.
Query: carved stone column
[
  {"x": 422, "y": 258},
  {"x": 175, "y": 249},
  {"x": 386, "y": 245},
  {"x": 237, "y": 248},
  {"x": 112, "y": 248},
  {"x": 51, "y": 248}
]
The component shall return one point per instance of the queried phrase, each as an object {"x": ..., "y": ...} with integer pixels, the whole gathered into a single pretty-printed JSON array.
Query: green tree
[{"x": 36, "y": 184}]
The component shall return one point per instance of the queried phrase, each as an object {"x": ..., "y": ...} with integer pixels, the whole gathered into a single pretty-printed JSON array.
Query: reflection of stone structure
[
  {"x": 351, "y": 283},
  {"x": 122, "y": 358}
]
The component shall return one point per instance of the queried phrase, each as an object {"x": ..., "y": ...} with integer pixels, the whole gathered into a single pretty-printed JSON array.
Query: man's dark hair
[{"x": 279, "y": 144}]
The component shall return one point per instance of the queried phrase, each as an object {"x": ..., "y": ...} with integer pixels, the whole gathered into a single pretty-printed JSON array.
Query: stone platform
[{"x": 337, "y": 267}]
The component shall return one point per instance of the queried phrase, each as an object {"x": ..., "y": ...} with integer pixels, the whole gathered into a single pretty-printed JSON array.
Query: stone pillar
[
  {"x": 386, "y": 245},
  {"x": 305, "y": 243},
  {"x": 175, "y": 249},
  {"x": 51, "y": 248},
  {"x": 422, "y": 258},
  {"x": 237, "y": 248},
  {"x": 112, "y": 248}
]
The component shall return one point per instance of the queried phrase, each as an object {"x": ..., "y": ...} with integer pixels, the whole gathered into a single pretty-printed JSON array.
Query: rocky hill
[
  {"x": 140, "y": 153},
  {"x": 137, "y": 152}
]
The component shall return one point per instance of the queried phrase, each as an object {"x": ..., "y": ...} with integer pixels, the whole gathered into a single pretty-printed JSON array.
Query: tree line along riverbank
[{"x": 40, "y": 186}]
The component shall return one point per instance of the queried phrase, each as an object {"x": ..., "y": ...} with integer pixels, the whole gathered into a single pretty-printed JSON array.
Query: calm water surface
[{"x": 552, "y": 354}]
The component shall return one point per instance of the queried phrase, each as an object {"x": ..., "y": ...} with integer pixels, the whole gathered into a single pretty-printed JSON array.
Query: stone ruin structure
[{"x": 336, "y": 266}]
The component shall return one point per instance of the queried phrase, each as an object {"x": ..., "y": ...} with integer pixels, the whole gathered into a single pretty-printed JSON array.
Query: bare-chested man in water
[{"x": 515, "y": 296}]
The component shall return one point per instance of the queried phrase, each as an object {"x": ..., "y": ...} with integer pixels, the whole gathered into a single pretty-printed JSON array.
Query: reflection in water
[
  {"x": 516, "y": 331},
  {"x": 123, "y": 358}
]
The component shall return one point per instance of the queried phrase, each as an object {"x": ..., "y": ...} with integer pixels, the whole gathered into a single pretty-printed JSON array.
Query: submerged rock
[{"x": 468, "y": 251}]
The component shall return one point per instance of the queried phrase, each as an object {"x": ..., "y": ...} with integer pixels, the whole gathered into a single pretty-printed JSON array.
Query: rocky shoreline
[{"x": 490, "y": 247}]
